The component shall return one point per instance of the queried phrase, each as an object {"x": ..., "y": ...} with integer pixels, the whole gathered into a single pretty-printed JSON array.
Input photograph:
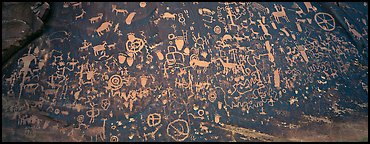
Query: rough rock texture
[
  {"x": 20, "y": 23},
  {"x": 253, "y": 71}
]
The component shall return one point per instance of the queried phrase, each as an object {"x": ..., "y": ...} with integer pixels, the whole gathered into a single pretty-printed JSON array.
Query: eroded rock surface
[{"x": 21, "y": 21}]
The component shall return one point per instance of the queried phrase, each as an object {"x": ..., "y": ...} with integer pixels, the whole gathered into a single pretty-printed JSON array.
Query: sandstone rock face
[
  {"x": 20, "y": 21},
  {"x": 185, "y": 71}
]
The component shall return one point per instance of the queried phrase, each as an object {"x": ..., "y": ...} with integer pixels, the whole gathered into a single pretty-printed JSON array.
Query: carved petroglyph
[
  {"x": 325, "y": 21},
  {"x": 168, "y": 16},
  {"x": 104, "y": 27},
  {"x": 279, "y": 13},
  {"x": 81, "y": 15},
  {"x": 178, "y": 130},
  {"x": 97, "y": 131},
  {"x": 114, "y": 8},
  {"x": 95, "y": 19},
  {"x": 130, "y": 17},
  {"x": 240, "y": 63}
]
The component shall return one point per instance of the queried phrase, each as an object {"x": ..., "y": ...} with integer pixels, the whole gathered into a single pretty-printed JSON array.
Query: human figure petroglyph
[
  {"x": 269, "y": 51},
  {"x": 189, "y": 78},
  {"x": 231, "y": 17},
  {"x": 85, "y": 45},
  {"x": 27, "y": 59},
  {"x": 152, "y": 134},
  {"x": 264, "y": 29},
  {"x": 72, "y": 63},
  {"x": 93, "y": 113}
]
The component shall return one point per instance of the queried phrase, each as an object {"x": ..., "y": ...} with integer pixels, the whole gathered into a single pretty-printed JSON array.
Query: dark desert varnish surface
[{"x": 192, "y": 71}]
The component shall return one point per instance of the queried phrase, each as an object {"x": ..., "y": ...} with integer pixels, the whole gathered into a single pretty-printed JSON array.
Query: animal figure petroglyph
[
  {"x": 77, "y": 4},
  {"x": 95, "y": 19},
  {"x": 49, "y": 91},
  {"x": 309, "y": 6},
  {"x": 227, "y": 37},
  {"x": 97, "y": 131},
  {"x": 355, "y": 33},
  {"x": 168, "y": 15},
  {"x": 99, "y": 48},
  {"x": 205, "y": 11},
  {"x": 112, "y": 46},
  {"x": 278, "y": 14},
  {"x": 104, "y": 27},
  {"x": 114, "y": 8},
  {"x": 81, "y": 15}
]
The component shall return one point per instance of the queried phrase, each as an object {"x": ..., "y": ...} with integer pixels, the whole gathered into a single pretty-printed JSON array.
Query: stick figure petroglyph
[{"x": 93, "y": 113}]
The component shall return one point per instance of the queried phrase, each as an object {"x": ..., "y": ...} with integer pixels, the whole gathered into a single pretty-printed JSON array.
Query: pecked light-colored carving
[
  {"x": 189, "y": 71},
  {"x": 97, "y": 132}
]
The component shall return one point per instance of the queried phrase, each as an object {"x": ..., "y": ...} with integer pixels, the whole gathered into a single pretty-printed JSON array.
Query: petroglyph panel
[{"x": 189, "y": 71}]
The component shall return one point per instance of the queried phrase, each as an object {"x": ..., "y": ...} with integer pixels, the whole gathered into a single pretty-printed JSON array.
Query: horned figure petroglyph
[
  {"x": 97, "y": 131},
  {"x": 309, "y": 6},
  {"x": 99, "y": 48},
  {"x": 251, "y": 21},
  {"x": 95, "y": 19},
  {"x": 228, "y": 65},
  {"x": 104, "y": 27},
  {"x": 351, "y": 29},
  {"x": 81, "y": 15},
  {"x": 299, "y": 12},
  {"x": 253, "y": 33},
  {"x": 114, "y": 8},
  {"x": 279, "y": 14},
  {"x": 112, "y": 46}
]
